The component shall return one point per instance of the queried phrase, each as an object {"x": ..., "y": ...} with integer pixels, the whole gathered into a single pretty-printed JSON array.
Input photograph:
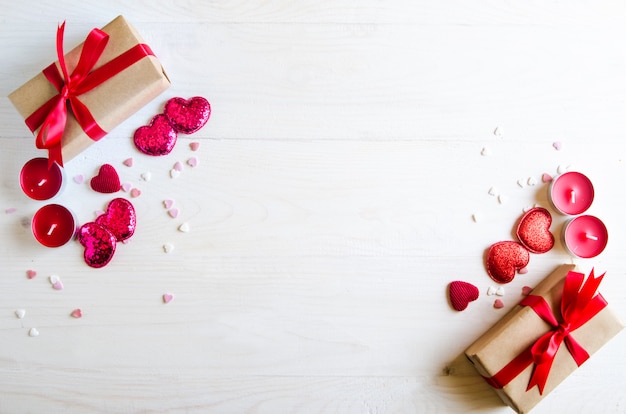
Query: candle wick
[
  {"x": 54, "y": 226},
  {"x": 591, "y": 237},
  {"x": 572, "y": 197},
  {"x": 42, "y": 182}
]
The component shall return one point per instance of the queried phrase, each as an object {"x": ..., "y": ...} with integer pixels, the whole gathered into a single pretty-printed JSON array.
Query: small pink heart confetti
[
  {"x": 192, "y": 162},
  {"x": 178, "y": 166},
  {"x": 77, "y": 313},
  {"x": 56, "y": 283},
  {"x": 126, "y": 187},
  {"x": 135, "y": 192},
  {"x": 167, "y": 297},
  {"x": 168, "y": 203},
  {"x": 523, "y": 271},
  {"x": 173, "y": 212},
  {"x": 31, "y": 274},
  {"x": 526, "y": 290},
  {"x": 557, "y": 145},
  {"x": 10, "y": 210},
  {"x": 79, "y": 179},
  {"x": 128, "y": 162},
  {"x": 498, "y": 304},
  {"x": 194, "y": 145},
  {"x": 546, "y": 178}
]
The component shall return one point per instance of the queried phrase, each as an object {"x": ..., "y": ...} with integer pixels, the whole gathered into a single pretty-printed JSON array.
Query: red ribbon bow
[
  {"x": 578, "y": 306},
  {"x": 52, "y": 116}
]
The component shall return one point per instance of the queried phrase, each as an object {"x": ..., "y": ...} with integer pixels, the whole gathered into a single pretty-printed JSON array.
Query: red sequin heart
[
  {"x": 504, "y": 258},
  {"x": 461, "y": 294},
  {"x": 120, "y": 219},
  {"x": 187, "y": 116},
  {"x": 99, "y": 244},
  {"x": 157, "y": 138},
  {"x": 533, "y": 230},
  {"x": 107, "y": 180}
]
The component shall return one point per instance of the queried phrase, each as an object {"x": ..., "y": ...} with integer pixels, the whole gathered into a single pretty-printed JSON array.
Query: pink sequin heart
[
  {"x": 187, "y": 116},
  {"x": 157, "y": 138},
  {"x": 120, "y": 219},
  {"x": 99, "y": 244}
]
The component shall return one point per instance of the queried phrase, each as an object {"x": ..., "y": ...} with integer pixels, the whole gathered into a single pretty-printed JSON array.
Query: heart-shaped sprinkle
[
  {"x": 497, "y": 132},
  {"x": 476, "y": 217},
  {"x": 58, "y": 285},
  {"x": 562, "y": 169},
  {"x": 10, "y": 210},
  {"x": 491, "y": 290},
  {"x": 168, "y": 203},
  {"x": 546, "y": 178},
  {"x": 126, "y": 187},
  {"x": 486, "y": 151},
  {"x": 120, "y": 219},
  {"x": 173, "y": 212},
  {"x": 53, "y": 279},
  {"x": 107, "y": 180},
  {"x": 31, "y": 273},
  {"x": 504, "y": 258},
  {"x": 194, "y": 145},
  {"x": 184, "y": 228},
  {"x": 79, "y": 179},
  {"x": 523, "y": 271},
  {"x": 158, "y": 138},
  {"x": 174, "y": 173},
  {"x": 532, "y": 181},
  {"x": 500, "y": 291},
  {"x": 526, "y": 290},
  {"x": 99, "y": 244},
  {"x": 502, "y": 199},
  {"x": 557, "y": 145},
  {"x": 461, "y": 294},
  {"x": 533, "y": 230},
  {"x": 178, "y": 166},
  {"x": 192, "y": 162},
  {"x": 498, "y": 304},
  {"x": 493, "y": 191},
  {"x": 77, "y": 313},
  {"x": 20, "y": 313},
  {"x": 168, "y": 247},
  {"x": 521, "y": 183},
  {"x": 167, "y": 297},
  {"x": 128, "y": 162},
  {"x": 147, "y": 176},
  {"x": 135, "y": 192},
  {"x": 33, "y": 332},
  {"x": 187, "y": 116}
]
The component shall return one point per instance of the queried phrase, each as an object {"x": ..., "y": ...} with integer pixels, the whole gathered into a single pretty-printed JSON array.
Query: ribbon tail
[
  {"x": 51, "y": 132},
  {"x": 539, "y": 376}
]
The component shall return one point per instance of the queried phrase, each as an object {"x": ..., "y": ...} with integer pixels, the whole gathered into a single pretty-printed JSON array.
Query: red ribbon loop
[
  {"x": 51, "y": 117},
  {"x": 579, "y": 304}
]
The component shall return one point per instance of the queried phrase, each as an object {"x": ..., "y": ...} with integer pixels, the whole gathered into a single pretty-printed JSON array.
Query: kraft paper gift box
[
  {"x": 110, "y": 102},
  {"x": 512, "y": 336}
]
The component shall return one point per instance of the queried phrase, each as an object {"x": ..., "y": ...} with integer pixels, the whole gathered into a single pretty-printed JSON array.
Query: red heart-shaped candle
[
  {"x": 187, "y": 116},
  {"x": 99, "y": 244},
  {"x": 504, "y": 259},
  {"x": 107, "y": 180},
  {"x": 119, "y": 218},
  {"x": 533, "y": 230},
  {"x": 157, "y": 138},
  {"x": 461, "y": 294}
]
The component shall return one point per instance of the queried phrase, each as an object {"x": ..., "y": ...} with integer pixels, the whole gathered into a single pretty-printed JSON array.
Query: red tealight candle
[
  {"x": 571, "y": 193},
  {"x": 40, "y": 182},
  {"x": 585, "y": 236},
  {"x": 53, "y": 225}
]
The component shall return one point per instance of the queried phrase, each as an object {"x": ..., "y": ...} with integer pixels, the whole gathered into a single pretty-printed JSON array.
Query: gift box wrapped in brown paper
[
  {"x": 519, "y": 329},
  {"x": 112, "y": 101}
]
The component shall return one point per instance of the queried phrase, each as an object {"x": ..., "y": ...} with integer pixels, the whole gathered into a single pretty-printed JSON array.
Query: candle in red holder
[
  {"x": 585, "y": 236},
  {"x": 40, "y": 182},
  {"x": 53, "y": 225},
  {"x": 571, "y": 193}
]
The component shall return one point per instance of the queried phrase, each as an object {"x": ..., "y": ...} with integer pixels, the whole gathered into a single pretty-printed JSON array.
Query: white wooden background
[{"x": 331, "y": 206}]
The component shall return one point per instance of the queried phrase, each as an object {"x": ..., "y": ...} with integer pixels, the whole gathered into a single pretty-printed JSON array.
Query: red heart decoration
[
  {"x": 99, "y": 244},
  {"x": 187, "y": 116},
  {"x": 504, "y": 258},
  {"x": 107, "y": 180},
  {"x": 157, "y": 138},
  {"x": 533, "y": 230},
  {"x": 461, "y": 294},
  {"x": 120, "y": 219}
]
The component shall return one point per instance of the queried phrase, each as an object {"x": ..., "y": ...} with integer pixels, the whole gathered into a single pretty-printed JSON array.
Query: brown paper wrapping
[
  {"x": 521, "y": 327},
  {"x": 111, "y": 102}
]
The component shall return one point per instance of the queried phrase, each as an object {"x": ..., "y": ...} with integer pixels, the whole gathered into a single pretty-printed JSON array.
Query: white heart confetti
[
  {"x": 174, "y": 173},
  {"x": 147, "y": 176},
  {"x": 521, "y": 183},
  {"x": 476, "y": 217},
  {"x": 486, "y": 151},
  {"x": 33, "y": 332},
  {"x": 53, "y": 279},
  {"x": 491, "y": 290},
  {"x": 497, "y": 132},
  {"x": 562, "y": 169},
  {"x": 532, "y": 181},
  {"x": 20, "y": 313},
  {"x": 502, "y": 199},
  {"x": 500, "y": 291},
  {"x": 184, "y": 228},
  {"x": 493, "y": 191},
  {"x": 168, "y": 247}
]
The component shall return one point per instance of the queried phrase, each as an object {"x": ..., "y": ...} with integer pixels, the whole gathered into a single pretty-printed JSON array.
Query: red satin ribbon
[
  {"x": 52, "y": 115},
  {"x": 578, "y": 306}
]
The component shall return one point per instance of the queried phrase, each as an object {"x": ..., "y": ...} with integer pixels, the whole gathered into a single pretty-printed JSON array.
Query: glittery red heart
[
  {"x": 461, "y": 294},
  {"x": 120, "y": 219},
  {"x": 533, "y": 230},
  {"x": 187, "y": 116},
  {"x": 107, "y": 180},
  {"x": 99, "y": 244},
  {"x": 157, "y": 138},
  {"x": 504, "y": 258}
]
